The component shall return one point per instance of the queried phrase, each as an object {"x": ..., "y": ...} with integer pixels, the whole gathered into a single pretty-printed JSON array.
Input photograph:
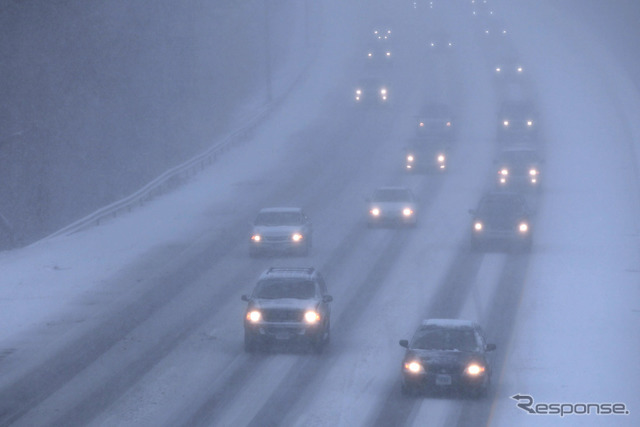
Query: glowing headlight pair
[
  {"x": 311, "y": 316},
  {"x": 414, "y": 367},
  {"x": 474, "y": 369}
]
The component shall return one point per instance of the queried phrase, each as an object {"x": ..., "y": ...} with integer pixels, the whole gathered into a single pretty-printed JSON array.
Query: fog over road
[{"x": 138, "y": 321}]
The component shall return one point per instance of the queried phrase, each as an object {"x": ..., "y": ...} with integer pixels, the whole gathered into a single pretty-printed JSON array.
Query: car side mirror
[
  {"x": 327, "y": 298},
  {"x": 490, "y": 347},
  {"x": 244, "y": 297},
  {"x": 404, "y": 343}
]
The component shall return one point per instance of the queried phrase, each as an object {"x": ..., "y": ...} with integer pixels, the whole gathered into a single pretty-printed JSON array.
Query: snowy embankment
[
  {"x": 62, "y": 278},
  {"x": 579, "y": 319}
]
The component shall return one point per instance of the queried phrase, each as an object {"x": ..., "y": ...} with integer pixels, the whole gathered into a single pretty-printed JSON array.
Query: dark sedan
[{"x": 446, "y": 354}]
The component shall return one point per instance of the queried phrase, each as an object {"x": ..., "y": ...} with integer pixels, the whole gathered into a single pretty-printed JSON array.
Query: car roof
[
  {"x": 289, "y": 273},
  {"x": 393, "y": 189},
  {"x": 448, "y": 323},
  {"x": 281, "y": 209}
]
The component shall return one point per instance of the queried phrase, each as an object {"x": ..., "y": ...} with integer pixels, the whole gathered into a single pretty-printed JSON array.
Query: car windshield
[
  {"x": 518, "y": 111},
  {"x": 519, "y": 158},
  {"x": 506, "y": 209},
  {"x": 392, "y": 195},
  {"x": 279, "y": 218},
  {"x": 276, "y": 289},
  {"x": 445, "y": 339},
  {"x": 435, "y": 112}
]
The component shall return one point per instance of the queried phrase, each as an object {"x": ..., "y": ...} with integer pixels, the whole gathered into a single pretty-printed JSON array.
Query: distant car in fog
[
  {"x": 435, "y": 121},
  {"x": 508, "y": 69},
  {"x": 518, "y": 121},
  {"x": 378, "y": 55},
  {"x": 440, "y": 41},
  {"x": 288, "y": 305},
  {"x": 392, "y": 206},
  {"x": 381, "y": 32},
  {"x": 426, "y": 155},
  {"x": 446, "y": 354},
  {"x": 501, "y": 218},
  {"x": 280, "y": 230},
  {"x": 519, "y": 168},
  {"x": 371, "y": 91}
]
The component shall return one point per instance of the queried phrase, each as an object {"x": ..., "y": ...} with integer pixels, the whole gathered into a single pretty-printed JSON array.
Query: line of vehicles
[{"x": 292, "y": 304}]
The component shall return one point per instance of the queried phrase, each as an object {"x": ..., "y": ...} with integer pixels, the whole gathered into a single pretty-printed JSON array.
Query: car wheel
[
  {"x": 407, "y": 390},
  {"x": 250, "y": 344}
]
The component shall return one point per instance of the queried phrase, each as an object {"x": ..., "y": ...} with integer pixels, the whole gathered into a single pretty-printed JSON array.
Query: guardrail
[{"x": 173, "y": 177}]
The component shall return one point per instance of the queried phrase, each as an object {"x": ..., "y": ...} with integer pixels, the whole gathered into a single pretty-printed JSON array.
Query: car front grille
[{"x": 282, "y": 315}]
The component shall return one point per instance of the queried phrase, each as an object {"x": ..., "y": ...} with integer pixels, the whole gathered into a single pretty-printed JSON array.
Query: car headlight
[
  {"x": 529, "y": 123},
  {"x": 498, "y": 70},
  {"x": 256, "y": 238},
  {"x": 523, "y": 227},
  {"x": 440, "y": 158},
  {"x": 421, "y": 124},
  {"x": 413, "y": 367},
  {"x": 519, "y": 69},
  {"x": 383, "y": 91},
  {"x": 369, "y": 54},
  {"x": 533, "y": 172},
  {"x": 407, "y": 212},
  {"x": 504, "y": 172},
  {"x": 505, "y": 123},
  {"x": 296, "y": 237},
  {"x": 448, "y": 124},
  {"x": 375, "y": 211},
  {"x": 477, "y": 226},
  {"x": 474, "y": 369},
  {"x": 254, "y": 316},
  {"x": 311, "y": 316},
  {"x": 410, "y": 158},
  {"x": 388, "y": 54}
]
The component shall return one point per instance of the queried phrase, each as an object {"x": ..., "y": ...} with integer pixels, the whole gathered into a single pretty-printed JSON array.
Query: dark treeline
[{"x": 99, "y": 98}]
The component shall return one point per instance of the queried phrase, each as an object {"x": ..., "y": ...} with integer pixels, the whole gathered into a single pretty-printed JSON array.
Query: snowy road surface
[{"x": 139, "y": 321}]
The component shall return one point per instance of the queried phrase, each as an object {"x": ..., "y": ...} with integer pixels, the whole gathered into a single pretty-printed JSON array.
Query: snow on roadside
[
  {"x": 578, "y": 323},
  {"x": 42, "y": 281}
]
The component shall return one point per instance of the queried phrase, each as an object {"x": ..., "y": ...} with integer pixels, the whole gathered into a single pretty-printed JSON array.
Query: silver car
[
  {"x": 392, "y": 205},
  {"x": 280, "y": 230}
]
